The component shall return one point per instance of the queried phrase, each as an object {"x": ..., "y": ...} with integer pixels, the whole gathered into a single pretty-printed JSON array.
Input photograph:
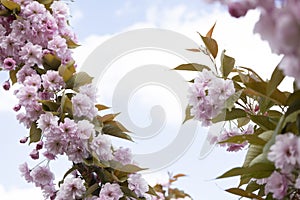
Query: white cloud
[{"x": 17, "y": 193}]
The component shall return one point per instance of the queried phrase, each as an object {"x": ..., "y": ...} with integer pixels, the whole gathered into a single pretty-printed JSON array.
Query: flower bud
[
  {"x": 17, "y": 107},
  {"x": 34, "y": 154},
  {"x": 23, "y": 140},
  {"x": 39, "y": 145},
  {"x": 6, "y": 85}
]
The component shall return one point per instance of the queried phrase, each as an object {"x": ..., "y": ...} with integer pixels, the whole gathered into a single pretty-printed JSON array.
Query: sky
[{"x": 97, "y": 21}]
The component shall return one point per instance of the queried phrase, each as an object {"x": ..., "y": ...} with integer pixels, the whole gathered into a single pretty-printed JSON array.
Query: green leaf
[
  {"x": 263, "y": 121},
  {"x": 4, "y": 12},
  {"x": 227, "y": 64},
  {"x": 260, "y": 89},
  {"x": 229, "y": 103},
  {"x": 227, "y": 115},
  {"x": 91, "y": 189},
  {"x": 13, "y": 75},
  {"x": 49, "y": 105},
  {"x": 66, "y": 105},
  {"x": 111, "y": 128},
  {"x": 71, "y": 44},
  {"x": 128, "y": 193},
  {"x": 258, "y": 170},
  {"x": 211, "y": 30},
  {"x": 252, "y": 186},
  {"x": 151, "y": 191},
  {"x": 188, "y": 115},
  {"x": 211, "y": 45},
  {"x": 51, "y": 62},
  {"x": 295, "y": 106},
  {"x": 243, "y": 193},
  {"x": 243, "y": 121},
  {"x": 192, "y": 67},
  {"x": 193, "y": 50},
  {"x": 271, "y": 141},
  {"x": 66, "y": 174},
  {"x": 35, "y": 133},
  {"x": 78, "y": 80},
  {"x": 10, "y": 5},
  {"x": 45, "y": 2},
  {"x": 253, "y": 152},
  {"x": 67, "y": 71},
  {"x": 276, "y": 78},
  {"x": 101, "y": 107},
  {"x": 298, "y": 123},
  {"x": 239, "y": 139},
  {"x": 107, "y": 118},
  {"x": 294, "y": 97},
  {"x": 129, "y": 168},
  {"x": 261, "y": 158}
]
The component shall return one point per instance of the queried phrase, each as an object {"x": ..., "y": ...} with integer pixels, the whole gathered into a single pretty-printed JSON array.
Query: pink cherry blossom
[
  {"x": 42, "y": 176},
  {"x": 285, "y": 152},
  {"x": 277, "y": 184},
  {"x": 31, "y": 54},
  {"x": 52, "y": 81},
  {"x": 9, "y": 64},
  {"x": 110, "y": 192},
  {"x": 72, "y": 188},
  {"x": 101, "y": 145},
  {"x": 25, "y": 171},
  {"x": 138, "y": 184},
  {"x": 123, "y": 155}
]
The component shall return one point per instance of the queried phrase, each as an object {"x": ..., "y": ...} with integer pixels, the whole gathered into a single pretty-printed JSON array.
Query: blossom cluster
[
  {"x": 207, "y": 96},
  {"x": 285, "y": 154},
  {"x": 35, "y": 32},
  {"x": 61, "y": 114},
  {"x": 227, "y": 134}
]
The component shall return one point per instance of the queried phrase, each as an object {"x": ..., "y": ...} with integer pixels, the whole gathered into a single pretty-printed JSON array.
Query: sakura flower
[
  {"x": 277, "y": 184},
  {"x": 123, "y": 155},
  {"x": 207, "y": 96},
  {"x": 83, "y": 106},
  {"x": 59, "y": 8},
  {"x": 85, "y": 129},
  {"x": 58, "y": 45},
  {"x": 47, "y": 122},
  {"x": 72, "y": 188},
  {"x": 24, "y": 72},
  {"x": 52, "y": 81},
  {"x": 137, "y": 184},
  {"x": 68, "y": 127},
  {"x": 27, "y": 95},
  {"x": 110, "y": 192},
  {"x": 33, "y": 80},
  {"x": 31, "y": 54},
  {"x": 25, "y": 171},
  {"x": 34, "y": 8},
  {"x": 9, "y": 64},
  {"x": 89, "y": 90},
  {"x": 42, "y": 176},
  {"x": 226, "y": 134},
  {"x": 285, "y": 152},
  {"x": 101, "y": 145}
]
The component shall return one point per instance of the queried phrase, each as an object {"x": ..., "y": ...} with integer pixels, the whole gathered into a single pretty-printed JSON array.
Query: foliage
[{"x": 262, "y": 118}]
